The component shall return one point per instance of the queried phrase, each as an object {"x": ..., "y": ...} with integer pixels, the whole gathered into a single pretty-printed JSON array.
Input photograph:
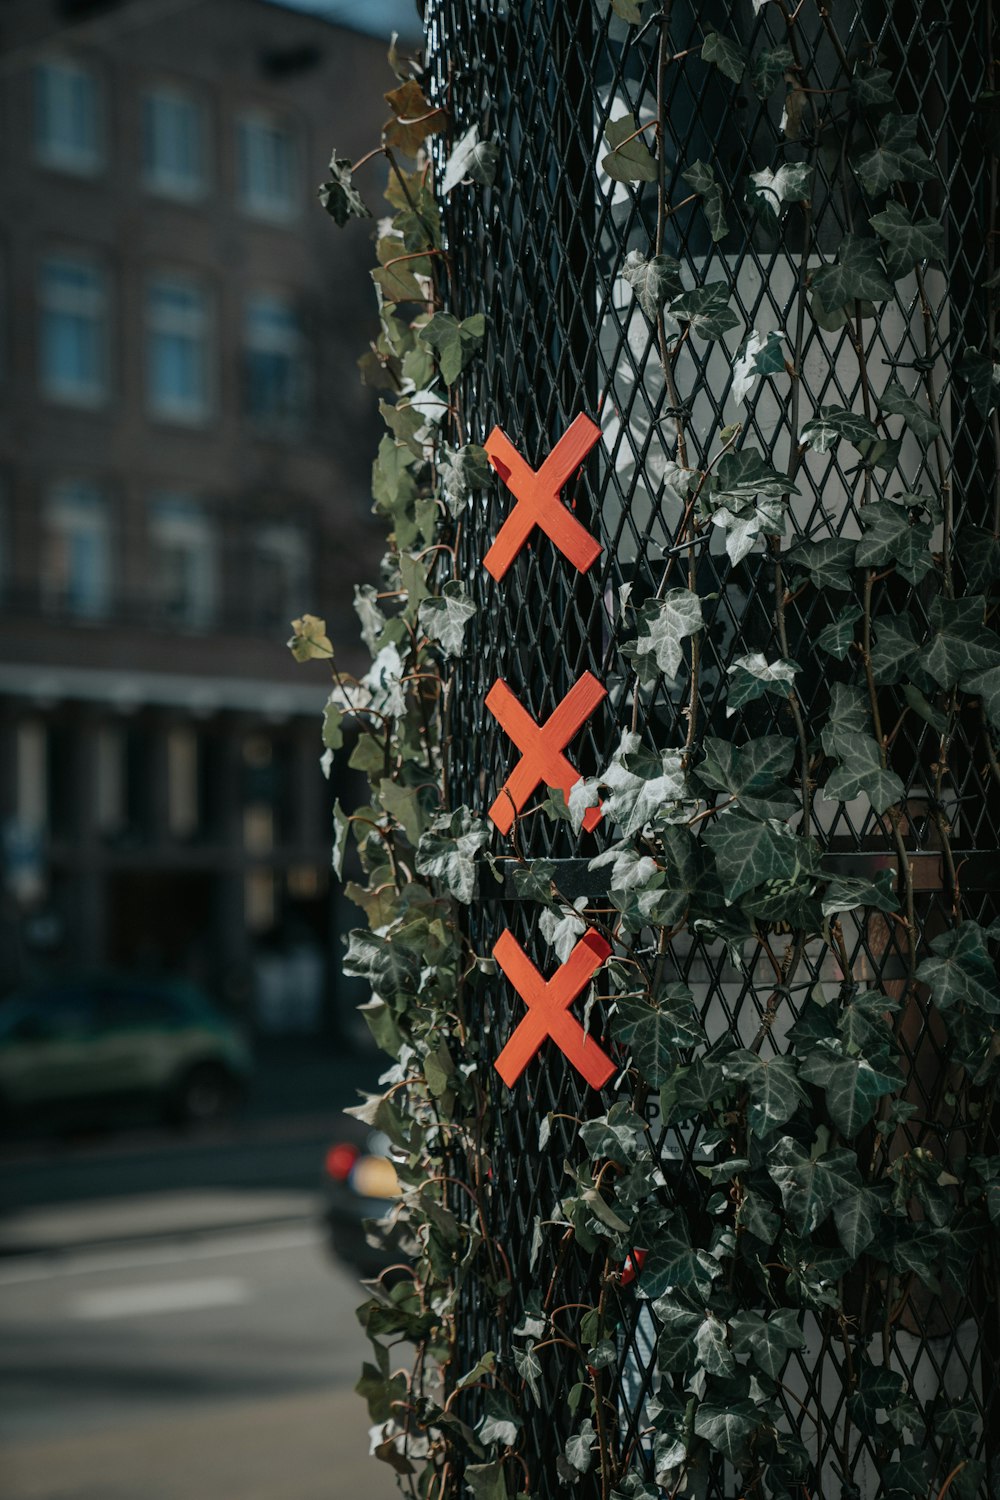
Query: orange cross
[
  {"x": 541, "y": 746},
  {"x": 537, "y": 494},
  {"x": 548, "y": 1009}
]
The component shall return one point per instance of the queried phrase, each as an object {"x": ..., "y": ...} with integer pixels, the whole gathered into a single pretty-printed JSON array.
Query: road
[{"x": 218, "y": 1367}]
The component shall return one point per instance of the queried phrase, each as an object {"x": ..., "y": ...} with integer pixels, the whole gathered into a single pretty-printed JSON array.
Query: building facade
[{"x": 184, "y": 456}]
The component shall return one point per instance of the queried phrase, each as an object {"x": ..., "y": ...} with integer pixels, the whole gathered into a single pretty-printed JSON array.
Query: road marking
[
  {"x": 163, "y": 1297},
  {"x": 52, "y": 1266}
]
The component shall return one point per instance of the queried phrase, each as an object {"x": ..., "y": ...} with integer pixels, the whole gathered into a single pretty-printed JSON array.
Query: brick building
[{"x": 184, "y": 457}]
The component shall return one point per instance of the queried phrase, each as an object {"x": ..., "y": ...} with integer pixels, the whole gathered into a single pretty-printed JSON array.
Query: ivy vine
[{"x": 847, "y": 1190}]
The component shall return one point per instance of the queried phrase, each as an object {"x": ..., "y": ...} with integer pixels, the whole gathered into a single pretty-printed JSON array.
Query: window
[
  {"x": 69, "y": 130},
  {"x": 177, "y": 351},
  {"x": 280, "y": 573},
  {"x": 267, "y": 168},
  {"x": 76, "y": 576},
  {"x": 174, "y": 156},
  {"x": 183, "y": 562},
  {"x": 276, "y": 376},
  {"x": 73, "y": 338}
]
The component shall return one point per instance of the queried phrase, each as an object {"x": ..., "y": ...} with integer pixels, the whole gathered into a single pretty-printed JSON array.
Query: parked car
[
  {"x": 359, "y": 1183},
  {"x": 73, "y": 1044}
]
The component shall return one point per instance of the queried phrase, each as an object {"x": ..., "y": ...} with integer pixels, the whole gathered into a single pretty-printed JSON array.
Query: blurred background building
[{"x": 184, "y": 461}]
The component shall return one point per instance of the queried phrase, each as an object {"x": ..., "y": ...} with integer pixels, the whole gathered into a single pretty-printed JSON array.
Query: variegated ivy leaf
[
  {"x": 768, "y": 68},
  {"x": 706, "y": 309},
  {"x": 663, "y": 626},
  {"x": 471, "y": 160},
  {"x": 654, "y": 281},
  {"x": 444, "y": 618},
  {"x": 746, "y": 474},
  {"x": 832, "y": 424},
  {"x": 373, "y": 621},
  {"x": 341, "y": 824},
  {"x": 753, "y": 676},
  {"x": 339, "y": 196},
  {"x": 630, "y": 159},
  {"x": 743, "y": 524},
  {"x": 630, "y": 870},
  {"x": 461, "y": 472},
  {"x": 729, "y": 1428},
  {"x": 701, "y": 177},
  {"x": 769, "y": 191},
  {"x": 896, "y": 158},
  {"x": 384, "y": 682},
  {"x": 757, "y": 356},
  {"x": 448, "y": 850},
  {"x": 563, "y": 929},
  {"x": 642, "y": 787}
]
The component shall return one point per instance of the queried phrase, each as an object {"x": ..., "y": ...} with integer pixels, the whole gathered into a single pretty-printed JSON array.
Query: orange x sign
[
  {"x": 537, "y": 495},
  {"x": 541, "y": 746},
  {"x": 548, "y": 1009}
]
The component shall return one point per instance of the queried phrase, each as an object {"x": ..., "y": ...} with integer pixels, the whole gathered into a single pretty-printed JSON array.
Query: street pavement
[
  {"x": 212, "y": 1368},
  {"x": 171, "y": 1324}
]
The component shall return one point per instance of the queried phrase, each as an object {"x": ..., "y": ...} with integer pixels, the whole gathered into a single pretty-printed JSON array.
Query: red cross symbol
[
  {"x": 537, "y": 494},
  {"x": 541, "y": 746},
  {"x": 548, "y": 1009}
]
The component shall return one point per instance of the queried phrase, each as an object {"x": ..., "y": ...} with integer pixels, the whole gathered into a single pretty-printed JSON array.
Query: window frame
[
  {"x": 90, "y": 394},
  {"x": 62, "y": 494},
  {"x": 182, "y": 412},
  {"x": 163, "y": 183},
  {"x": 183, "y": 511},
  {"x": 65, "y": 155},
  {"x": 290, "y": 343}
]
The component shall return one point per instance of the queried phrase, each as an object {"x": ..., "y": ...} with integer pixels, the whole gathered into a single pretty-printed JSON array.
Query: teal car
[{"x": 73, "y": 1044}]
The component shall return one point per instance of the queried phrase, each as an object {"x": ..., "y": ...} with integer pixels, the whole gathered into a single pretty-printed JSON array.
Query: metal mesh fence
[{"x": 542, "y": 253}]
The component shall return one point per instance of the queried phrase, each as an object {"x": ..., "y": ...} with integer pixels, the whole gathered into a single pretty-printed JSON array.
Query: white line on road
[
  {"x": 164, "y": 1297},
  {"x": 50, "y": 1267}
]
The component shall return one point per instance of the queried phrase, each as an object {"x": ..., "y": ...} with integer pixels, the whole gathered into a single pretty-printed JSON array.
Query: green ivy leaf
[
  {"x": 832, "y": 424},
  {"x": 445, "y": 617},
  {"x": 856, "y": 275},
  {"x": 339, "y": 196},
  {"x": 654, "y": 1030},
  {"x": 672, "y": 1262},
  {"x": 849, "y": 892},
  {"x": 910, "y": 240},
  {"x": 962, "y": 972},
  {"x": 896, "y": 158},
  {"x": 891, "y": 537},
  {"x": 654, "y": 281},
  {"x": 837, "y": 638},
  {"x": 768, "y": 1341},
  {"x": 961, "y": 643},
  {"x": 677, "y": 1325},
  {"x": 749, "y": 854},
  {"x": 702, "y": 179},
  {"x": 895, "y": 400},
  {"x": 768, "y": 68},
  {"x": 871, "y": 86},
  {"x": 857, "y": 1216},
  {"x": 455, "y": 343},
  {"x": 773, "y": 1086},
  {"x": 983, "y": 376},
  {"x": 629, "y": 160},
  {"x": 896, "y": 648},
  {"x": 628, "y": 10},
  {"x": 753, "y": 676},
  {"x": 729, "y": 1428},
  {"x": 471, "y": 160},
  {"x": 827, "y": 562},
  {"x": 725, "y": 54},
  {"x": 663, "y": 625},
  {"x": 746, "y": 474},
  {"x": 752, "y": 773},
  {"x": 486, "y": 1481},
  {"x": 987, "y": 687},
  {"x": 852, "y": 1088},
  {"x": 529, "y": 1367},
  {"x": 711, "y": 1348},
  {"x": 706, "y": 309},
  {"x": 448, "y": 851},
  {"x": 387, "y": 966},
  {"x": 811, "y": 1186},
  {"x": 861, "y": 773}
]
